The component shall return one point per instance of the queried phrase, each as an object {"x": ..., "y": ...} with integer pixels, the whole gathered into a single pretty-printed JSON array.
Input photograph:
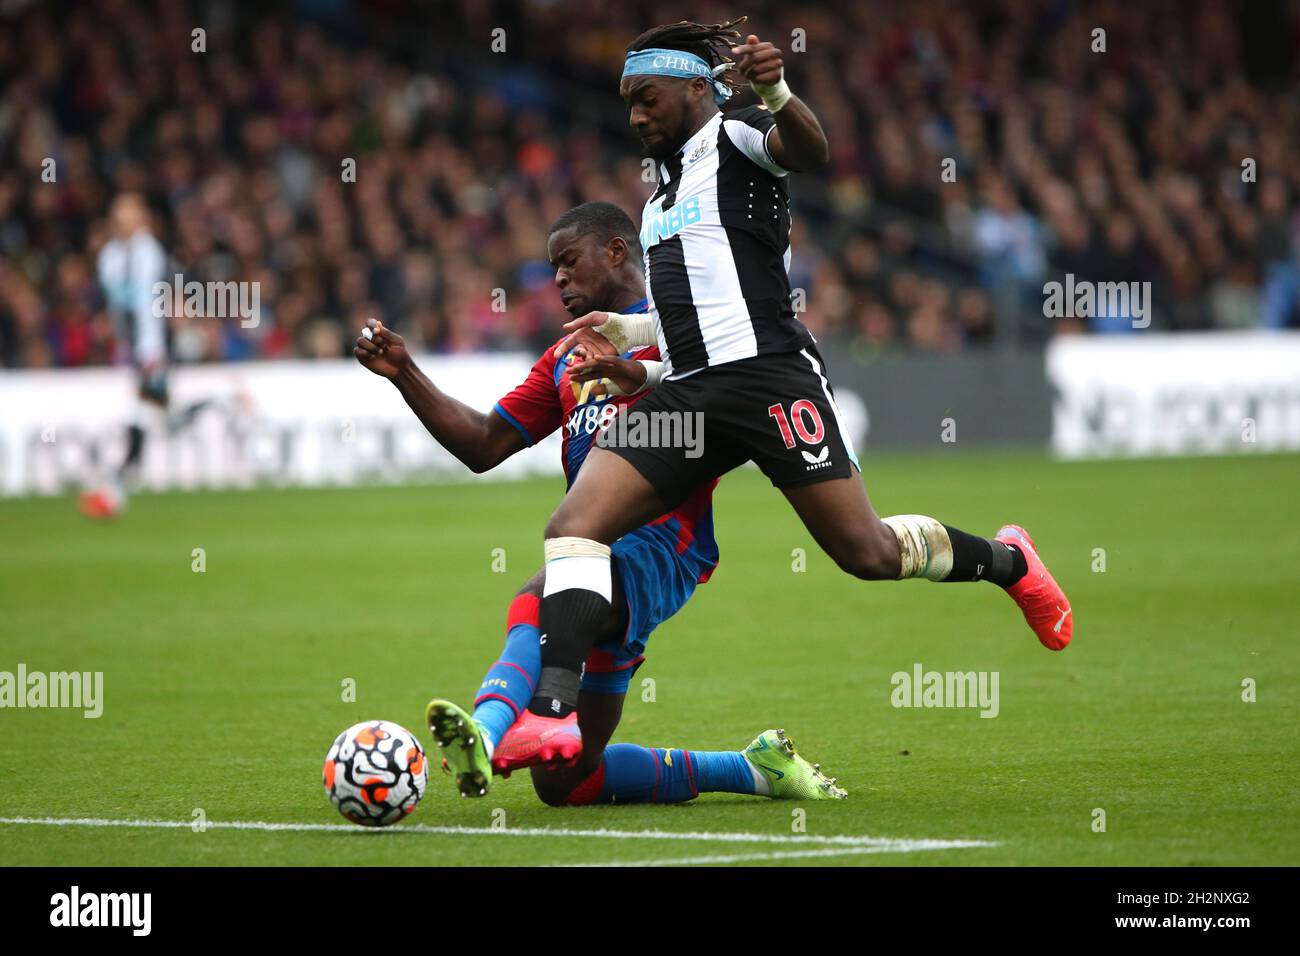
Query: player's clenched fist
[
  {"x": 381, "y": 350},
  {"x": 758, "y": 61}
]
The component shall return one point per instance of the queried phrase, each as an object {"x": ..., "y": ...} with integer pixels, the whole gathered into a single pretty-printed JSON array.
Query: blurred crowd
[{"x": 979, "y": 150}]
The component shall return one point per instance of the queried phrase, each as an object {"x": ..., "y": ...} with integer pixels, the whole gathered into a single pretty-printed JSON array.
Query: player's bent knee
[
  {"x": 570, "y": 787},
  {"x": 573, "y": 786},
  {"x": 552, "y": 792},
  {"x": 865, "y": 568},
  {"x": 871, "y": 556},
  {"x": 887, "y": 561}
]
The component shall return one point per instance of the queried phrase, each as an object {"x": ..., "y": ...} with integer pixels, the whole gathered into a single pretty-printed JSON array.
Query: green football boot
[
  {"x": 464, "y": 754},
  {"x": 788, "y": 774}
]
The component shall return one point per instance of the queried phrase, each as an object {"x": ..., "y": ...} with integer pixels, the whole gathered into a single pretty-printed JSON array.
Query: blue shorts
[{"x": 658, "y": 577}]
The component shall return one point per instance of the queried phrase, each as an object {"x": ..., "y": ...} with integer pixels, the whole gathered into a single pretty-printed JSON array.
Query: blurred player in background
[
  {"x": 716, "y": 241},
  {"x": 594, "y": 250},
  {"x": 129, "y": 266}
]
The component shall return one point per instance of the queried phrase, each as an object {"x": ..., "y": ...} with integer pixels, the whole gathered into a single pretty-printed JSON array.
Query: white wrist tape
[
  {"x": 775, "y": 95},
  {"x": 654, "y": 374},
  {"x": 628, "y": 331}
]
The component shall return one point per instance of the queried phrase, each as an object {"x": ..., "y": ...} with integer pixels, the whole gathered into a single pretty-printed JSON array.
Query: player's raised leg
[{"x": 839, "y": 516}]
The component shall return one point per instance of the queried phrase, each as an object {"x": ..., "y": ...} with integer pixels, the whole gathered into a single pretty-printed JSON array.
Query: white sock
[{"x": 762, "y": 786}]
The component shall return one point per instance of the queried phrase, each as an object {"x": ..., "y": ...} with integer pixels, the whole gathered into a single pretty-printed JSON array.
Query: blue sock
[
  {"x": 509, "y": 683},
  {"x": 725, "y": 771},
  {"x": 632, "y": 774}
]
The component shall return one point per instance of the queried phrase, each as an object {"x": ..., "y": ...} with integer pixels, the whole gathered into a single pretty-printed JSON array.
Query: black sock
[
  {"x": 134, "y": 446},
  {"x": 981, "y": 559},
  {"x": 557, "y": 692},
  {"x": 568, "y": 621}
]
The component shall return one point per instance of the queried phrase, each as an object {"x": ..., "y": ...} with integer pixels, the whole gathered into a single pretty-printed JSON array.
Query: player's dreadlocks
[{"x": 712, "y": 43}]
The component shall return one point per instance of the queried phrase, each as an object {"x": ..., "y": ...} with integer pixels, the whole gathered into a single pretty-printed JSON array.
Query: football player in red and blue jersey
[{"x": 595, "y": 251}]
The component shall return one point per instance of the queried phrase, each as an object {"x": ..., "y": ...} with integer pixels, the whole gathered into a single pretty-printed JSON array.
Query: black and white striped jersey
[
  {"x": 716, "y": 241},
  {"x": 128, "y": 271}
]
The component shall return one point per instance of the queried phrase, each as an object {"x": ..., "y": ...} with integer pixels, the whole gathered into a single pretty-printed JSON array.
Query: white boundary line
[
  {"x": 842, "y": 845},
  {"x": 901, "y": 847}
]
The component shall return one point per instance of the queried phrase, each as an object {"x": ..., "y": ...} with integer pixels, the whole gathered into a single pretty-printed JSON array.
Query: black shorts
[{"x": 775, "y": 410}]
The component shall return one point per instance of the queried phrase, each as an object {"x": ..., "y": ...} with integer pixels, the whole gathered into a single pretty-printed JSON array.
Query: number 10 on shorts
[{"x": 801, "y": 413}]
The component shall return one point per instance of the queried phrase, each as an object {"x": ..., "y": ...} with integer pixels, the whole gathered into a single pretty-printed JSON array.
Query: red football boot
[
  {"x": 1046, "y": 608},
  {"x": 101, "y": 504},
  {"x": 533, "y": 740}
]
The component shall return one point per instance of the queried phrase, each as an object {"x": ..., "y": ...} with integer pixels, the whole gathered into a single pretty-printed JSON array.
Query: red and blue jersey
[{"x": 547, "y": 399}]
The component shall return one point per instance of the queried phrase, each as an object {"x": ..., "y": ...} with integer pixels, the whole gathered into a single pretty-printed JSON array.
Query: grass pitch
[{"x": 223, "y": 689}]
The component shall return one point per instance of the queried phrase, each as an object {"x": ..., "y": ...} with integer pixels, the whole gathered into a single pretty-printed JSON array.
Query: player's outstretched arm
[
  {"x": 480, "y": 441},
  {"x": 798, "y": 143}
]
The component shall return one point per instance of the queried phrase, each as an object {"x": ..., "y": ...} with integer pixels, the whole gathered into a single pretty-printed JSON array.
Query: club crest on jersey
[
  {"x": 699, "y": 151},
  {"x": 596, "y": 390},
  {"x": 660, "y": 224}
]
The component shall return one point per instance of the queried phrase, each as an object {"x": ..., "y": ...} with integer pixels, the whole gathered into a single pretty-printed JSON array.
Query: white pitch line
[
  {"x": 860, "y": 843},
  {"x": 899, "y": 846}
]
